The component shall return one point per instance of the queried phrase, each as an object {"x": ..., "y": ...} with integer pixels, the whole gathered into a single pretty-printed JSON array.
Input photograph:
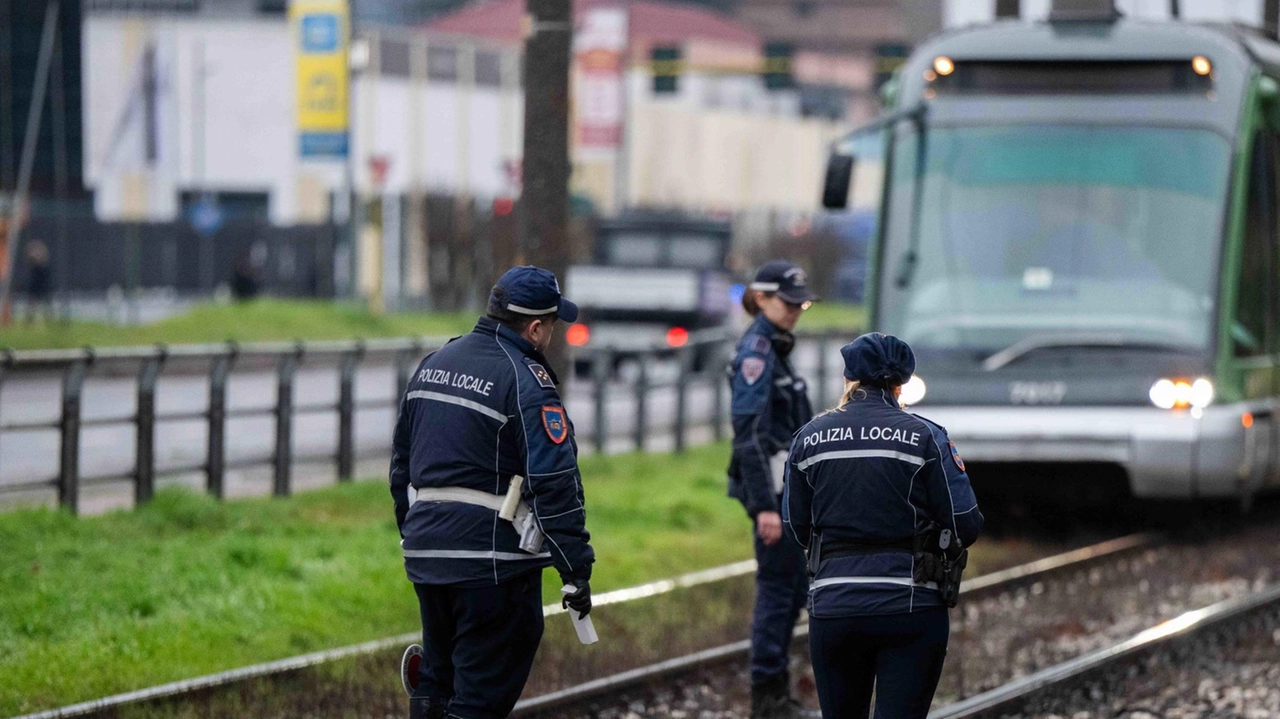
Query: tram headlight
[
  {"x": 913, "y": 391},
  {"x": 1201, "y": 393},
  {"x": 1181, "y": 394}
]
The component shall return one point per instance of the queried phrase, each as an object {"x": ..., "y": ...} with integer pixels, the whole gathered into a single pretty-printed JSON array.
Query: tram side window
[{"x": 1255, "y": 294}]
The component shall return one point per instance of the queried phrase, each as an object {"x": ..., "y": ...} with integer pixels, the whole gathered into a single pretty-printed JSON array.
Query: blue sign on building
[{"x": 320, "y": 34}]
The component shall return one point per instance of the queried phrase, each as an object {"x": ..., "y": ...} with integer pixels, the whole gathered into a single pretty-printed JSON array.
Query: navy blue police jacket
[
  {"x": 873, "y": 474},
  {"x": 476, "y": 412},
  {"x": 769, "y": 403}
]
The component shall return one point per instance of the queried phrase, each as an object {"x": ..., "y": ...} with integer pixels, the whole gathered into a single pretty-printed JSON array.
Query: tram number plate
[{"x": 1037, "y": 392}]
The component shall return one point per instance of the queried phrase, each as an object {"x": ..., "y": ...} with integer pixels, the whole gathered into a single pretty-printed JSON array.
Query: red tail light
[
  {"x": 677, "y": 337},
  {"x": 577, "y": 335}
]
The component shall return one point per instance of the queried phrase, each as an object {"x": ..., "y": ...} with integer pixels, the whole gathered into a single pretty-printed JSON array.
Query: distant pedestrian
[
  {"x": 245, "y": 283},
  {"x": 39, "y": 282}
]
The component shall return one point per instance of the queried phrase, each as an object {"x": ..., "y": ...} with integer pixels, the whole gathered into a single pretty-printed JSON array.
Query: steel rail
[
  {"x": 1061, "y": 562},
  {"x": 1184, "y": 625},
  {"x": 988, "y": 583}
]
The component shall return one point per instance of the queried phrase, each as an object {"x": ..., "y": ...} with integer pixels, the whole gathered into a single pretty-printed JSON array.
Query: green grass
[
  {"x": 187, "y": 585},
  {"x": 287, "y": 320},
  {"x": 834, "y": 316},
  {"x": 258, "y": 320}
]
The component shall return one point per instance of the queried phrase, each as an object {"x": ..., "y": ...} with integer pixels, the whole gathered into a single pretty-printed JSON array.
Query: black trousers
[
  {"x": 478, "y": 644},
  {"x": 782, "y": 588},
  {"x": 899, "y": 655}
]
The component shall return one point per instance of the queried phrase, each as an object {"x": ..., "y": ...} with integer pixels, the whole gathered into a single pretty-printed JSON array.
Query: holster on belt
[
  {"x": 939, "y": 558},
  {"x": 815, "y": 552},
  {"x": 511, "y": 508}
]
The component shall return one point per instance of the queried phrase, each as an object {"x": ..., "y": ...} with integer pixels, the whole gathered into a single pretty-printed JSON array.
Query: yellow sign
[{"x": 320, "y": 36}]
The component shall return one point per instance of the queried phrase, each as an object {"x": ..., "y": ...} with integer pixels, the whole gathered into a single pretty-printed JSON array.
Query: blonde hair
[{"x": 851, "y": 387}]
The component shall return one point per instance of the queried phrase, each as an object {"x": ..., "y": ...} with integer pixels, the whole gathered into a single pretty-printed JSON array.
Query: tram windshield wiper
[{"x": 1027, "y": 345}]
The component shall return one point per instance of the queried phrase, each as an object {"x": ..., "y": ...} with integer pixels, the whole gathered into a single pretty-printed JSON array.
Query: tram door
[{"x": 1254, "y": 333}]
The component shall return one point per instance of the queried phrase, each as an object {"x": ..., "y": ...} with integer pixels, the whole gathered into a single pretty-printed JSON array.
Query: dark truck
[{"x": 654, "y": 280}]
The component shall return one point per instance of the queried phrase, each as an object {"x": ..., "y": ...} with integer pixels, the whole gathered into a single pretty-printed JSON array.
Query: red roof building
[{"x": 650, "y": 23}]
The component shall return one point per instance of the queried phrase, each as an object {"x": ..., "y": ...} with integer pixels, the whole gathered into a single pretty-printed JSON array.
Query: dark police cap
[
  {"x": 878, "y": 359},
  {"x": 535, "y": 291},
  {"x": 786, "y": 279}
]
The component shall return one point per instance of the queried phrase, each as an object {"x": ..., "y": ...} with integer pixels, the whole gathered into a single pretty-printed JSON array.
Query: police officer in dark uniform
[
  {"x": 880, "y": 499},
  {"x": 769, "y": 403},
  {"x": 480, "y": 414}
]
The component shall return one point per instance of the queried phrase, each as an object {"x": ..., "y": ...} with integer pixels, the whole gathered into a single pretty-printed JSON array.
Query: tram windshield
[{"x": 1035, "y": 230}]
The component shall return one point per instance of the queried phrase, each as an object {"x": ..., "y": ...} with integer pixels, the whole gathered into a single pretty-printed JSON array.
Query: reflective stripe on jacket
[
  {"x": 873, "y": 474},
  {"x": 476, "y": 412}
]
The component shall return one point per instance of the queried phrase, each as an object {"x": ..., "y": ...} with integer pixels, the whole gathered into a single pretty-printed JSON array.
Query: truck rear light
[
  {"x": 577, "y": 335},
  {"x": 677, "y": 337}
]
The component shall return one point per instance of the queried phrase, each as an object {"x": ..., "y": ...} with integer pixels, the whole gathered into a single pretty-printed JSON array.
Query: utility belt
[
  {"x": 510, "y": 507},
  {"x": 937, "y": 556}
]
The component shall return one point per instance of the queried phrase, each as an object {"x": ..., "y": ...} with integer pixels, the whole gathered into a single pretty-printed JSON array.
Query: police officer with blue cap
[
  {"x": 769, "y": 403},
  {"x": 487, "y": 493},
  {"x": 880, "y": 499}
]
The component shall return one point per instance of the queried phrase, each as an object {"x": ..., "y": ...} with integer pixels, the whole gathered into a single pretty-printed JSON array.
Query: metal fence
[{"x": 621, "y": 388}]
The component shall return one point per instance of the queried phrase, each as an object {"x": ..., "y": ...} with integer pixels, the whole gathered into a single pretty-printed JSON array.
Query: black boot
[
  {"x": 425, "y": 708},
  {"x": 771, "y": 699}
]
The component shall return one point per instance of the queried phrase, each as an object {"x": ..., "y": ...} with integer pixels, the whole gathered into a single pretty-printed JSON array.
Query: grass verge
[
  {"x": 187, "y": 585},
  {"x": 258, "y": 320},
  {"x": 287, "y": 320},
  {"x": 833, "y": 316}
]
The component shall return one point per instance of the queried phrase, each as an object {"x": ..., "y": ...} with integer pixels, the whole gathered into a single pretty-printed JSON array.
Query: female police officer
[
  {"x": 769, "y": 404},
  {"x": 878, "y": 496}
]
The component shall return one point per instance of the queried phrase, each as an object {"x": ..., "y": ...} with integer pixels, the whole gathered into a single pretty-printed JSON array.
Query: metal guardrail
[
  {"x": 701, "y": 360},
  {"x": 217, "y": 361}
]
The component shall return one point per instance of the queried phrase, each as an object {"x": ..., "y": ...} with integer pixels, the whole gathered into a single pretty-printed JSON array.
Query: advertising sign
[
  {"x": 600, "y": 45},
  {"x": 320, "y": 33}
]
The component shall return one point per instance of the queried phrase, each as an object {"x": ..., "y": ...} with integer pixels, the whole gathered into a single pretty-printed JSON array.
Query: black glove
[{"x": 580, "y": 600}]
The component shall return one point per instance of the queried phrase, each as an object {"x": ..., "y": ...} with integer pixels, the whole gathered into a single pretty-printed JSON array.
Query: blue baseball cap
[
  {"x": 787, "y": 279},
  {"x": 878, "y": 359},
  {"x": 535, "y": 291}
]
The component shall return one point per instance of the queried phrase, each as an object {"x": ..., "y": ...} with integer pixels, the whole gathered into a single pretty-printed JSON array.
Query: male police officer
[{"x": 478, "y": 412}]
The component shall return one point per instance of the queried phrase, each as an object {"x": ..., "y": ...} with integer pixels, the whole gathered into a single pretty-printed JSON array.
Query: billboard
[
  {"x": 321, "y": 29},
  {"x": 599, "y": 46}
]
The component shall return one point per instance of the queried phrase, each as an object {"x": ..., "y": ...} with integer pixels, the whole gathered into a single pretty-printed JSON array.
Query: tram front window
[{"x": 1050, "y": 230}]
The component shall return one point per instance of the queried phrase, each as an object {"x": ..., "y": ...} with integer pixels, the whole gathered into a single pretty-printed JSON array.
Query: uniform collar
[
  {"x": 875, "y": 395},
  {"x": 783, "y": 341},
  {"x": 490, "y": 327}
]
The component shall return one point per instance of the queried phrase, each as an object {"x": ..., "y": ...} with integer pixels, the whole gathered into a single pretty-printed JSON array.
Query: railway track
[
  {"x": 1020, "y": 638},
  {"x": 300, "y": 682},
  {"x": 1220, "y": 660},
  {"x": 1006, "y": 630}
]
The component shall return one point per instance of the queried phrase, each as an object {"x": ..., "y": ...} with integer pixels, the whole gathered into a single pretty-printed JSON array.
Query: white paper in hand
[{"x": 582, "y": 625}]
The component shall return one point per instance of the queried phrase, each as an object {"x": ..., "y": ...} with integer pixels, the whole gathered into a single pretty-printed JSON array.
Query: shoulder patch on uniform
[
  {"x": 556, "y": 424},
  {"x": 758, "y": 343},
  {"x": 955, "y": 455},
  {"x": 752, "y": 369},
  {"x": 542, "y": 375}
]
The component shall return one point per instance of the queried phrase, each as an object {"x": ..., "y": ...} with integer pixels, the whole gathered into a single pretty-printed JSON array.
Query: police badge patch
[
  {"x": 752, "y": 369},
  {"x": 955, "y": 455},
  {"x": 556, "y": 424},
  {"x": 542, "y": 375}
]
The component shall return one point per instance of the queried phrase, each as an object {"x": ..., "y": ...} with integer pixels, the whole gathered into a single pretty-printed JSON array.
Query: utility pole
[
  {"x": 35, "y": 113},
  {"x": 545, "y": 175}
]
